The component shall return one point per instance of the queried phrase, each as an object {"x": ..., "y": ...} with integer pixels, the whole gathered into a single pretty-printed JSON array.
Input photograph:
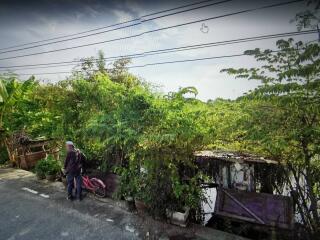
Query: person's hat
[{"x": 69, "y": 143}]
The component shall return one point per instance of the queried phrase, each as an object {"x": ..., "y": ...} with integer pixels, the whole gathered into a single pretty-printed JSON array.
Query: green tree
[
  {"x": 285, "y": 116},
  {"x": 309, "y": 18}
]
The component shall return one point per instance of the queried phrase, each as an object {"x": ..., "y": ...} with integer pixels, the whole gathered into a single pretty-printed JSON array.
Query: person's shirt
[{"x": 72, "y": 164}]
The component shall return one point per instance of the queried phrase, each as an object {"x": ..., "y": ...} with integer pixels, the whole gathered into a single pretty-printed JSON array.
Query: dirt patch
[{"x": 12, "y": 173}]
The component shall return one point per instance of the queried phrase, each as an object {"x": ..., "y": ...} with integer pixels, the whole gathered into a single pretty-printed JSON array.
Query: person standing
[{"x": 72, "y": 167}]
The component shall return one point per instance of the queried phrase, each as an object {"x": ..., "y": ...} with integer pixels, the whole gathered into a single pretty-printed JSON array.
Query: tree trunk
[
  {"x": 310, "y": 183},
  {"x": 11, "y": 156},
  {"x": 313, "y": 199}
]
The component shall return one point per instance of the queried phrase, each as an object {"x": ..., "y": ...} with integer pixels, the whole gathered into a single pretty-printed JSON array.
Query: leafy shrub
[
  {"x": 41, "y": 168},
  {"x": 47, "y": 166},
  {"x": 53, "y": 167},
  {"x": 3, "y": 155},
  {"x": 128, "y": 182}
]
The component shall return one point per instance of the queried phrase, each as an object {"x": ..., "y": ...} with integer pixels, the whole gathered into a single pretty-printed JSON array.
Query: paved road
[
  {"x": 25, "y": 214},
  {"x": 31, "y": 210}
]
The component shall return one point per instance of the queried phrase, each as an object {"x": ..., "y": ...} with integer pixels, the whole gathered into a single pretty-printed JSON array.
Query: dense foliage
[
  {"x": 124, "y": 125},
  {"x": 285, "y": 118},
  {"x": 47, "y": 166}
]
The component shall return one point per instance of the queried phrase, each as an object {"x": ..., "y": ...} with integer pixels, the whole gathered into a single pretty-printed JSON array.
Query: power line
[
  {"x": 198, "y": 59},
  {"x": 188, "y": 60},
  {"x": 112, "y": 25},
  {"x": 170, "y": 50},
  {"x": 150, "y": 64},
  {"x": 168, "y": 62},
  {"x": 155, "y": 30},
  {"x": 157, "y": 63},
  {"x": 122, "y": 27}
]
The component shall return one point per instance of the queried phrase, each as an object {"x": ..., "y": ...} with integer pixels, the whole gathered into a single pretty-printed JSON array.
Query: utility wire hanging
[
  {"x": 167, "y": 50},
  {"x": 137, "y": 21},
  {"x": 166, "y": 62},
  {"x": 153, "y": 64},
  {"x": 155, "y": 30}
]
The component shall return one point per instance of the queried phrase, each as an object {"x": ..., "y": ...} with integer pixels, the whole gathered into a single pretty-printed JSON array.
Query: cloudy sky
[{"x": 29, "y": 21}]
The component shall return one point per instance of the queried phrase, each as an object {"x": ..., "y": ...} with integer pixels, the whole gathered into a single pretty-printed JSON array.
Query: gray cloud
[{"x": 26, "y": 21}]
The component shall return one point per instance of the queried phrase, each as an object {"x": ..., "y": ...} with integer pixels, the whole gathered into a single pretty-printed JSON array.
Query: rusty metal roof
[{"x": 231, "y": 156}]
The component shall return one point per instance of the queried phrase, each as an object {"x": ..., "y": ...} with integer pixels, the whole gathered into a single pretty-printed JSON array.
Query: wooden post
[{"x": 24, "y": 158}]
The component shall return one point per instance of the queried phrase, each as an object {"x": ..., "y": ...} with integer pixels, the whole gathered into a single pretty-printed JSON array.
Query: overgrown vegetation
[
  {"x": 119, "y": 120},
  {"x": 284, "y": 121},
  {"x": 47, "y": 166}
]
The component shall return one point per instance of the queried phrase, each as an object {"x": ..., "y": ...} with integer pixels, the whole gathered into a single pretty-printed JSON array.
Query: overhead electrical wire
[
  {"x": 152, "y": 64},
  {"x": 112, "y": 25},
  {"x": 167, "y": 50},
  {"x": 167, "y": 62},
  {"x": 140, "y": 21},
  {"x": 155, "y": 30}
]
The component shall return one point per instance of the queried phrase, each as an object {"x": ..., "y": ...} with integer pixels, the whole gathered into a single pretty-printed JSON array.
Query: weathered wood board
[{"x": 261, "y": 208}]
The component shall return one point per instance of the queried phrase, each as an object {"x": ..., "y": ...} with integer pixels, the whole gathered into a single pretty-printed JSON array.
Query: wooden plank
[
  {"x": 242, "y": 218},
  {"x": 244, "y": 207},
  {"x": 272, "y": 210}
]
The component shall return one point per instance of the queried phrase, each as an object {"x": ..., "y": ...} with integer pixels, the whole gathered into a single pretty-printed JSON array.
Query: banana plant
[
  {"x": 4, "y": 96},
  {"x": 11, "y": 93},
  {"x": 3, "y": 92}
]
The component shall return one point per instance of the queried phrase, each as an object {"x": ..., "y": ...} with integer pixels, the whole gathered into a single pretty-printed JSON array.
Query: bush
[
  {"x": 159, "y": 186},
  {"x": 128, "y": 182},
  {"x": 47, "y": 166},
  {"x": 53, "y": 167},
  {"x": 3, "y": 155},
  {"x": 41, "y": 168}
]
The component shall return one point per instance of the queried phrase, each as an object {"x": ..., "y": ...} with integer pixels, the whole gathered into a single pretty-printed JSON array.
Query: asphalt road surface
[{"x": 30, "y": 212}]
